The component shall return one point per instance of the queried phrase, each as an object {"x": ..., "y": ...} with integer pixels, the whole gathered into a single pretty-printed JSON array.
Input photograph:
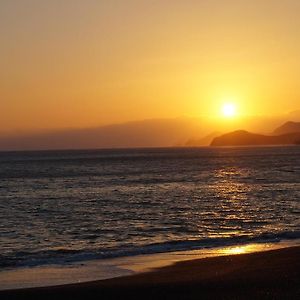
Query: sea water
[{"x": 62, "y": 207}]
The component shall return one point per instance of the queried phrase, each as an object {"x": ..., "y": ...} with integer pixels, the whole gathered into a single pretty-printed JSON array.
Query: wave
[{"x": 66, "y": 256}]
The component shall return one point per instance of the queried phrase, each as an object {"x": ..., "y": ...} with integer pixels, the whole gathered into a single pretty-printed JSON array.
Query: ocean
[{"x": 60, "y": 207}]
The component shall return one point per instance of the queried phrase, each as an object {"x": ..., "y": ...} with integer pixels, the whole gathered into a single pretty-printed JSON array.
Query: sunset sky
[{"x": 72, "y": 63}]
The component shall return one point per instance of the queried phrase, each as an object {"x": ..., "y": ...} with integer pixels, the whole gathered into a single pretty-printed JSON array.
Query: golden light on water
[
  {"x": 250, "y": 248},
  {"x": 238, "y": 250}
]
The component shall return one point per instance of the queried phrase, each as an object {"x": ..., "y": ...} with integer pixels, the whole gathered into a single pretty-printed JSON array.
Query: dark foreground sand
[{"x": 265, "y": 275}]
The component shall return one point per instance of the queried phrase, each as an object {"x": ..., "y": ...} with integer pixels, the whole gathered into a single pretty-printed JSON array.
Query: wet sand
[{"x": 265, "y": 275}]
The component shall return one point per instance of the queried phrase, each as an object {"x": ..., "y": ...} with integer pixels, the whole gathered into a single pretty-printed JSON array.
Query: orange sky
[{"x": 86, "y": 63}]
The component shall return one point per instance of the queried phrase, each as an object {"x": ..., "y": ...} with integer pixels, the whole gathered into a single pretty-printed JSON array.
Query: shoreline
[
  {"x": 102, "y": 269},
  {"x": 269, "y": 274}
]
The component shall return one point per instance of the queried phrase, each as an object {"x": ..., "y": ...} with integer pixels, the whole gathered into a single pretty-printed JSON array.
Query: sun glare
[{"x": 229, "y": 110}]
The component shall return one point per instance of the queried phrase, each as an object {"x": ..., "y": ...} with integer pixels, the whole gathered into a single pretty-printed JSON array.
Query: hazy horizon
[
  {"x": 139, "y": 133},
  {"x": 195, "y": 67}
]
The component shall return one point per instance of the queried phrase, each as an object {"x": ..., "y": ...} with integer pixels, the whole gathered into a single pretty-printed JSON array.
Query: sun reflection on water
[
  {"x": 243, "y": 249},
  {"x": 237, "y": 250}
]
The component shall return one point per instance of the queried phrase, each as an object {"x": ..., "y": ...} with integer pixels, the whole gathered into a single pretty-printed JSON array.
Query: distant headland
[{"x": 287, "y": 134}]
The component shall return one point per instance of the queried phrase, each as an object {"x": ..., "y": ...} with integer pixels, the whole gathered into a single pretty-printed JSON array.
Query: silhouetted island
[
  {"x": 288, "y": 127},
  {"x": 245, "y": 138}
]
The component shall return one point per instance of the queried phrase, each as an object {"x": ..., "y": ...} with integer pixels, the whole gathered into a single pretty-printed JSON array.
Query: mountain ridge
[
  {"x": 288, "y": 127},
  {"x": 134, "y": 134},
  {"x": 245, "y": 138}
]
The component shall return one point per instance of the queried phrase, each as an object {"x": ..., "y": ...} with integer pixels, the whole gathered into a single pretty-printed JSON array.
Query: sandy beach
[{"x": 264, "y": 275}]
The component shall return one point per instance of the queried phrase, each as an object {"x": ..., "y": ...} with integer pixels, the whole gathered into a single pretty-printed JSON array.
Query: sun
[{"x": 229, "y": 110}]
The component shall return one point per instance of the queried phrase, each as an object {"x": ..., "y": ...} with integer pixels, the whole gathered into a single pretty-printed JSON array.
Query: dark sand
[{"x": 265, "y": 275}]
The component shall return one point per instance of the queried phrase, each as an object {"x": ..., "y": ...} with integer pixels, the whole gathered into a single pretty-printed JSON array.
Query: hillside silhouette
[
  {"x": 145, "y": 133},
  {"x": 288, "y": 127},
  {"x": 245, "y": 138}
]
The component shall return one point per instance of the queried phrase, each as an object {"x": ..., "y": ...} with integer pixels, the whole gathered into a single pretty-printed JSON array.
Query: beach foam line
[
  {"x": 65, "y": 256},
  {"x": 101, "y": 269}
]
